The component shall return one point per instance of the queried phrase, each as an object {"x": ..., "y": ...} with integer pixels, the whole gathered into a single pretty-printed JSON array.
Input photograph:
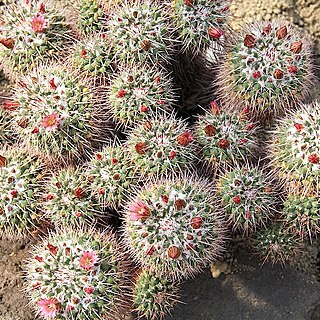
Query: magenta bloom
[
  {"x": 39, "y": 24},
  {"x": 51, "y": 122},
  {"x": 88, "y": 259},
  {"x": 48, "y": 307},
  {"x": 139, "y": 211}
]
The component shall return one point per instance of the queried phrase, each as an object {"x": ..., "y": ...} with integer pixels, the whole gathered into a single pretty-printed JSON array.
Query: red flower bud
[
  {"x": 50, "y": 197},
  {"x": 172, "y": 155},
  {"x": 42, "y": 9},
  {"x": 143, "y": 108},
  {"x": 250, "y": 41},
  {"x": 267, "y": 29},
  {"x": 35, "y": 130},
  {"x": 52, "y": 84},
  {"x": 237, "y": 199},
  {"x": 296, "y": 47},
  {"x": 14, "y": 193},
  {"x": 165, "y": 199},
  {"x": 299, "y": 126},
  {"x": 292, "y": 69},
  {"x": 79, "y": 193},
  {"x": 196, "y": 222},
  {"x": 256, "y": 74},
  {"x": 214, "y": 107},
  {"x": 223, "y": 143},
  {"x": 314, "y": 158},
  {"x": 89, "y": 290},
  {"x": 121, "y": 93},
  {"x": 84, "y": 53},
  {"x": 282, "y": 32},
  {"x": 150, "y": 251},
  {"x": 248, "y": 215},
  {"x": 99, "y": 156},
  {"x": 184, "y": 138},
  {"x": 52, "y": 249},
  {"x": 8, "y": 43},
  {"x": 215, "y": 33},
  {"x": 114, "y": 161},
  {"x": 210, "y": 130},
  {"x": 10, "y": 105},
  {"x": 174, "y": 252},
  {"x": 189, "y": 2},
  {"x": 141, "y": 148},
  {"x": 278, "y": 74}
]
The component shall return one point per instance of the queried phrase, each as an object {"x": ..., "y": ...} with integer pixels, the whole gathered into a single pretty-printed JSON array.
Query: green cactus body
[
  {"x": 200, "y": 22},
  {"x": 93, "y": 56},
  {"x": 173, "y": 228},
  {"x": 139, "y": 90},
  {"x": 91, "y": 16},
  {"x": 295, "y": 148},
  {"x": 110, "y": 175},
  {"x": 20, "y": 188},
  {"x": 68, "y": 199},
  {"x": 161, "y": 145},
  {"x": 141, "y": 32},
  {"x": 268, "y": 68},
  {"x": 31, "y": 32},
  {"x": 57, "y": 113},
  {"x": 225, "y": 138},
  {"x": 153, "y": 296},
  {"x": 248, "y": 197},
  {"x": 77, "y": 275},
  {"x": 302, "y": 214},
  {"x": 276, "y": 244}
]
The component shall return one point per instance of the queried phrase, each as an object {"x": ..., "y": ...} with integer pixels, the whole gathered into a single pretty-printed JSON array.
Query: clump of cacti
[
  {"x": 31, "y": 31},
  {"x": 77, "y": 274},
  {"x": 295, "y": 148},
  {"x": 173, "y": 227},
  {"x": 268, "y": 69},
  {"x": 161, "y": 145},
  {"x": 91, "y": 16},
  {"x": 139, "y": 90},
  {"x": 200, "y": 23},
  {"x": 93, "y": 55},
  {"x": 302, "y": 214},
  {"x": 57, "y": 114},
  {"x": 141, "y": 32},
  {"x": 154, "y": 296},
  {"x": 21, "y": 183},
  {"x": 225, "y": 138},
  {"x": 248, "y": 197},
  {"x": 110, "y": 175},
  {"x": 276, "y": 244},
  {"x": 68, "y": 200}
]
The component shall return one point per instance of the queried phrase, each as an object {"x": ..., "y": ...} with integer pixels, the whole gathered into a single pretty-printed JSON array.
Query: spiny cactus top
[
  {"x": 248, "y": 197},
  {"x": 295, "y": 147},
  {"x": 57, "y": 112},
  {"x": 110, "y": 175},
  {"x": 302, "y": 214},
  {"x": 77, "y": 275},
  {"x": 31, "y": 31},
  {"x": 161, "y": 145},
  {"x": 20, "y": 188},
  {"x": 173, "y": 227},
  {"x": 276, "y": 244},
  {"x": 68, "y": 200},
  {"x": 225, "y": 137},
  {"x": 200, "y": 22},
  {"x": 139, "y": 90},
  {"x": 93, "y": 55},
  {"x": 141, "y": 32},
  {"x": 268, "y": 68},
  {"x": 154, "y": 296}
]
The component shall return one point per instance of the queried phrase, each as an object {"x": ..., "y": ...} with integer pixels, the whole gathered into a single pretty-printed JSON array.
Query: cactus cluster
[
  {"x": 138, "y": 91},
  {"x": 111, "y": 176},
  {"x": 248, "y": 197},
  {"x": 161, "y": 145},
  {"x": 173, "y": 227},
  {"x": 295, "y": 148},
  {"x": 57, "y": 112},
  {"x": 200, "y": 22},
  {"x": 31, "y": 31},
  {"x": 77, "y": 275},
  {"x": 154, "y": 296},
  {"x": 21, "y": 175},
  {"x": 267, "y": 68},
  {"x": 225, "y": 138},
  {"x": 141, "y": 32}
]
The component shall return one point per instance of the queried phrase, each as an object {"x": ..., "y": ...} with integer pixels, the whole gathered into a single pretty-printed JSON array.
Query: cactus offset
[
  {"x": 153, "y": 296},
  {"x": 248, "y": 197},
  {"x": 268, "y": 68},
  {"x": 139, "y": 90},
  {"x": 31, "y": 32},
  {"x": 225, "y": 138},
  {"x": 173, "y": 227},
  {"x": 21, "y": 184},
  {"x": 77, "y": 274}
]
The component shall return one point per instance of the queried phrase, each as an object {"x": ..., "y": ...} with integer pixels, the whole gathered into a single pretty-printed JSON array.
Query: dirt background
[{"x": 246, "y": 290}]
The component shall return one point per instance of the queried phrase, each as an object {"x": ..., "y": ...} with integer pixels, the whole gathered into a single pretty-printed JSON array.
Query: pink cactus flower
[
  {"x": 51, "y": 122},
  {"x": 48, "y": 307},
  {"x": 88, "y": 259},
  {"x": 39, "y": 24},
  {"x": 139, "y": 211}
]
